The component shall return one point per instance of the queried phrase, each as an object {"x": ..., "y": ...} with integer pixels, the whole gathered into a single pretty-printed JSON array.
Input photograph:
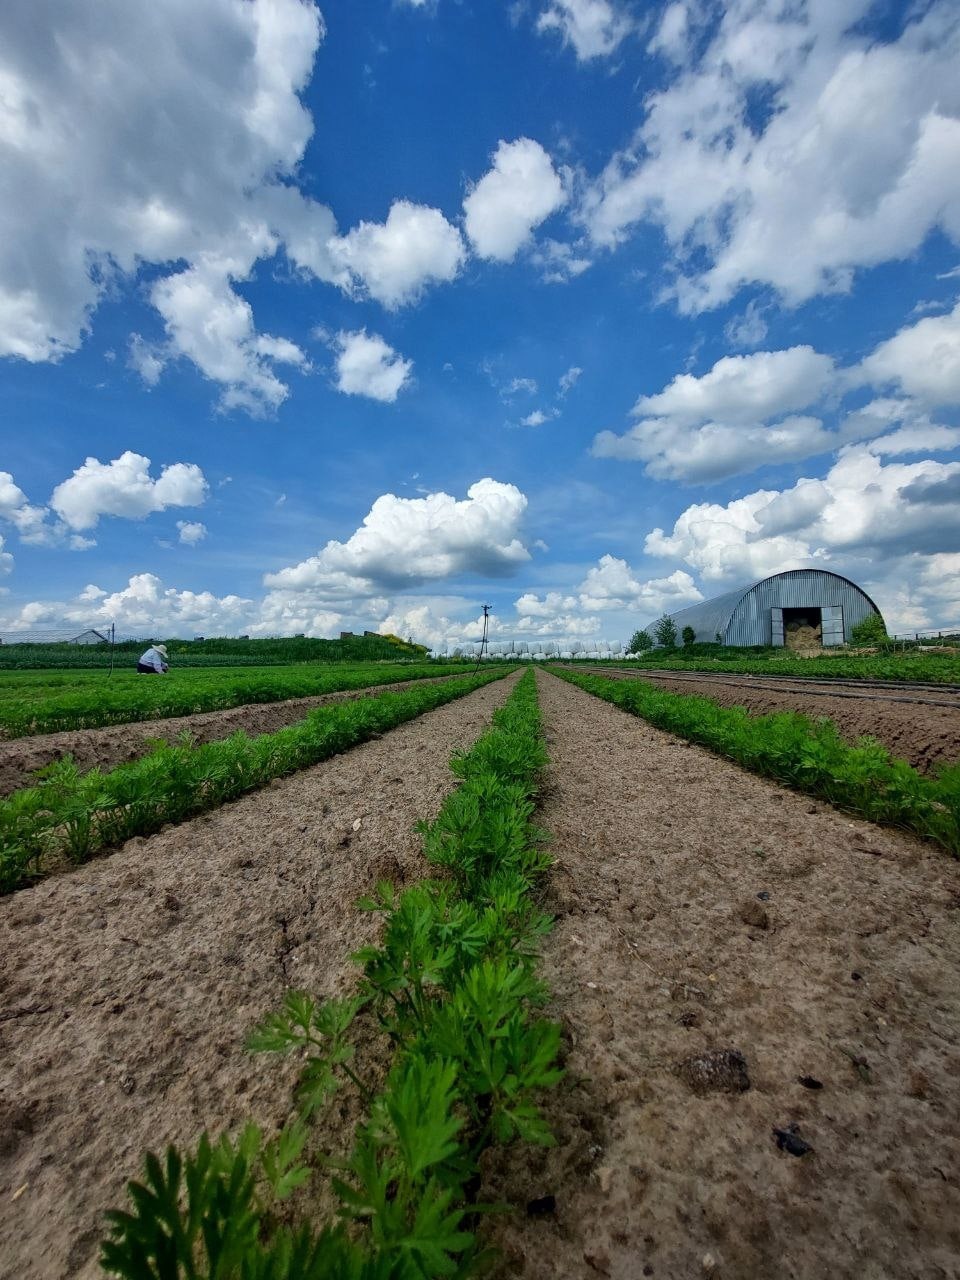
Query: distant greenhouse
[{"x": 798, "y": 607}]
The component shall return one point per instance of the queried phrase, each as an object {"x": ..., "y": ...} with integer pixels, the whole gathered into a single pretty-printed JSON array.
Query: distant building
[
  {"x": 791, "y": 609},
  {"x": 90, "y": 637}
]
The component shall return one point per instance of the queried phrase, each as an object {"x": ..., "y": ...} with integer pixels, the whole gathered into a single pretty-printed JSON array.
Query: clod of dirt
[
  {"x": 599, "y": 1260},
  {"x": 810, "y": 1082},
  {"x": 789, "y": 1140},
  {"x": 718, "y": 1071},
  {"x": 541, "y": 1205},
  {"x": 688, "y": 1018},
  {"x": 751, "y": 912},
  {"x": 919, "y": 1085},
  {"x": 16, "y": 1122}
]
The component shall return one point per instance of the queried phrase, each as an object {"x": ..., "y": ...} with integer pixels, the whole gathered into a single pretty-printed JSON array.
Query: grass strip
[
  {"x": 452, "y": 985},
  {"x": 36, "y": 705},
  {"x": 75, "y": 815},
  {"x": 807, "y": 755}
]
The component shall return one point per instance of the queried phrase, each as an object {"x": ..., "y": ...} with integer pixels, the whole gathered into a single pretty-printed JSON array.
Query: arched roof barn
[{"x": 769, "y": 611}]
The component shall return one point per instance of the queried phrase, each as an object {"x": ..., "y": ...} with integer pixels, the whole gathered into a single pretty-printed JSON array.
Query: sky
[{"x": 363, "y": 315}]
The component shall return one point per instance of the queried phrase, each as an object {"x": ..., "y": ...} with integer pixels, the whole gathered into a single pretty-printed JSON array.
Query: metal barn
[{"x": 771, "y": 611}]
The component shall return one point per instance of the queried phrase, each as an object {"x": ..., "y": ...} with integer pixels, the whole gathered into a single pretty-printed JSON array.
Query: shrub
[
  {"x": 871, "y": 630},
  {"x": 640, "y": 642},
  {"x": 688, "y": 635},
  {"x": 665, "y": 632}
]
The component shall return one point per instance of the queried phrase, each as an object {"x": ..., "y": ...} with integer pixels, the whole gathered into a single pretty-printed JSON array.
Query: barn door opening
[{"x": 803, "y": 628}]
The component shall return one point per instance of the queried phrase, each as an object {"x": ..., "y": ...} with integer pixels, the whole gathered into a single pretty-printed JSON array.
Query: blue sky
[{"x": 329, "y": 317}]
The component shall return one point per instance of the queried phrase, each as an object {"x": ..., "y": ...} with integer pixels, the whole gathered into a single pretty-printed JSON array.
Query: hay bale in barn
[{"x": 800, "y": 635}]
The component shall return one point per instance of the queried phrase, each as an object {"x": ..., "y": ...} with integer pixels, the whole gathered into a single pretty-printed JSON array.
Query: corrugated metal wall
[
  {"x": 795, "y": 589},
  {"x": 707, "y": 618},
  {"x": 744, "y": 616}
]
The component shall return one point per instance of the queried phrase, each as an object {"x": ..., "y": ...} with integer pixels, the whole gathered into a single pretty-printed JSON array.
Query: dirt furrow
[
  {"x": 704, "y": 911},
  {"x": 116, "y": 744},
  {"x": 127, "y": 988}
]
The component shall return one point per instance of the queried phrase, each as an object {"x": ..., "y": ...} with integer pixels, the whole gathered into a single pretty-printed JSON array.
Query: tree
[
  {"x": 688, "y": 635},
  {"x": 870, "y": 631},
  {"x": 640, "y": 642},
  {"x": 665, "y": 632}
]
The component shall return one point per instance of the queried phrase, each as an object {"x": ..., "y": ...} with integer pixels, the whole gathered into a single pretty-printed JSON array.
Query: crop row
[
  {"x": 73, "y": 815},
  {"x": 938, "y": 668},
  {"x": 42, "y": 705},
  {"x": 807, "y": 755},
  {"x": 452, "y": 986}
]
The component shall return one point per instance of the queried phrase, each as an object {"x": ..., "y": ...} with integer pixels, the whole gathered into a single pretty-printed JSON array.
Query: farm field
[
  {"x": 698, "y": 909},
  {"x": 106, "y": 747},
  {"x": 33, "y": 702},
  {"x": 938, "y": 667},
  {"x": 911, "y": 725},
  {"x": 129, "y": 986},
  {"x": 662, "y": 951}
]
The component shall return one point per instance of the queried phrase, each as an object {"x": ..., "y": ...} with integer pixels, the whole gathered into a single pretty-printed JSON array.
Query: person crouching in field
[{"x": 154, "y": 661}]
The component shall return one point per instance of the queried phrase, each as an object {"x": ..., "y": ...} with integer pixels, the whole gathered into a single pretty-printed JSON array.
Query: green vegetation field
[
  {"x": 215, "y": 652},
  {"x": 939, "y": 668},
  {"x": 50, "y": 701}
]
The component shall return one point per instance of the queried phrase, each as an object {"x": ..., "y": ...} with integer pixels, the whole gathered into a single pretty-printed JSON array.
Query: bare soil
[
  {"x": 116, "y": 744},
  {"x": 714, "y": 932},
  {"x": 127, "y": 988},
  {"x": 925, "y": 736}
]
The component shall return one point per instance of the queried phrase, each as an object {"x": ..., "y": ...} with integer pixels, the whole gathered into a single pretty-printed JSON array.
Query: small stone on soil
[
  {"x": 718, "y": 1071},
  {"x": 789, "y": 1140}
]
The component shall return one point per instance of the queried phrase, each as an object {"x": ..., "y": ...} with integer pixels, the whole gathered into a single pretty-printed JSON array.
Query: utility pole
[{"x": 483, "y": 638}]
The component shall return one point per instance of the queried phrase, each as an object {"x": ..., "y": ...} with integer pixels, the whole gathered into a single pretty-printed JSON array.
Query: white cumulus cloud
[
  {"x": 366, "y": 365},
  {"x": 863, "y": 511},
  {"x": 849, "y": 157},
  {"x": 179, "y": 161},
  {"x": 743, "y": 389},
  {"x": 210, "y": 324},
  {"x": 394, "y": 261},
  {"x": 922, "y": 360},
  {"x": 515, "y": 196},
  {"x": 191, "y": 532},
  {"x": 406, "y": 541},
  {"x": 143, "y": 607},
  {"x": 701, "y": 429},
  {"x": 124, "y": 487}
]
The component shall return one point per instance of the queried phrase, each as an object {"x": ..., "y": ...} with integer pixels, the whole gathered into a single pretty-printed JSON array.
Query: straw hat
[{"x": 161, "y": 648}]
